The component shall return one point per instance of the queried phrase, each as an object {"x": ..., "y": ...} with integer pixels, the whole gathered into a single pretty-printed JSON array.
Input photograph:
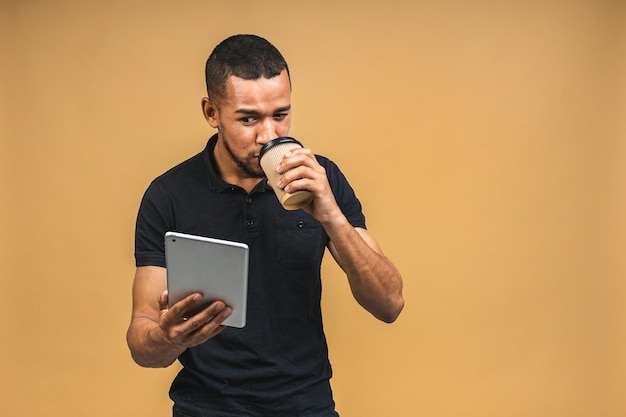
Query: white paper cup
[{"x": 272, "y": 153}]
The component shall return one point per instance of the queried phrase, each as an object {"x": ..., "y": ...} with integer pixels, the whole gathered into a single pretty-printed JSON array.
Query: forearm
[
  {"x": 148, "y": 345},
  {"x": 374, "y": 281}
]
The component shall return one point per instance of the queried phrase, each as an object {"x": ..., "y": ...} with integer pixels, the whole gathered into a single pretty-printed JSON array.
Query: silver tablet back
[{"x": 216, "y": 268}]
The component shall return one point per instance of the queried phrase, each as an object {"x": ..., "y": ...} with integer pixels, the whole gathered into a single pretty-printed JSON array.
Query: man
[{"x": 278, "y": 364}]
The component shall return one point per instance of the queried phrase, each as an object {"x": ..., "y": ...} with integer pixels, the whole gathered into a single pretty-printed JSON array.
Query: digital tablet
[{"x": 216, "y": 268}]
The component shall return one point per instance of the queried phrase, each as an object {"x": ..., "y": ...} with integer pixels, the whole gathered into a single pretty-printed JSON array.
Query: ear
[{"x": 209, "y": 109}]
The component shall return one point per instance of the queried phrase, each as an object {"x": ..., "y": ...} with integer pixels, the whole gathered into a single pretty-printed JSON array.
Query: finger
[
  {"x": 296, "y": 158},
  {"x": 163, "y": 300},
  {"x": 194, "y": 329},
  {"x": 299, "y": 151},
  {"x": 201, "y": 330},
  {"x": 203, "y": 334},
  {"x": 303, "y": 178},
  {"x": 177, "y": 312},
  {"x": 210, "y": 313}
]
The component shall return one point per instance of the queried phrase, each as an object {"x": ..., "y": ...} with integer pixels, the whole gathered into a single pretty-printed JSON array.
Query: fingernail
[{"x": 279, "y": 167}]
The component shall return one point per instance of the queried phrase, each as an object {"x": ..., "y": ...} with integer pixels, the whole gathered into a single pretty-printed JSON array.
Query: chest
[{"x": 291, "y": 238}]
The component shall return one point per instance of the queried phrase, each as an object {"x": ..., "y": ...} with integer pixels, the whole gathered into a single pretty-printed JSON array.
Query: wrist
[
  {"x": 163, "y": 350},
  {"x": 335, "y": 223}
]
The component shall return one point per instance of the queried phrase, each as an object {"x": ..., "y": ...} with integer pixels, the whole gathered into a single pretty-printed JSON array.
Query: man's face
[{"x": 251, "y": 113}]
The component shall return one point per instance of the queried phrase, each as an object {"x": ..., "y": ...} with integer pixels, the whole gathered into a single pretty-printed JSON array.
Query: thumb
[{"x": 163, "y": 300}]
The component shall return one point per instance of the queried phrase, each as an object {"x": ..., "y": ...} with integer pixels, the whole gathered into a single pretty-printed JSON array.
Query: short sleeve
[
  {"x": 344, "y": 194},
  {"x": 153, "y": 220}
]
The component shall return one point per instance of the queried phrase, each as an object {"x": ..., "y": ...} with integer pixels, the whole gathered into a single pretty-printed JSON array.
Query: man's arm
[
  {"x": 375, "y": 282},
  {"x": 157, "y": 335}
]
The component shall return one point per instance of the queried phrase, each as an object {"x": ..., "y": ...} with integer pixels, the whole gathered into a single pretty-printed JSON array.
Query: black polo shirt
[{"x": 277, "y": 364}]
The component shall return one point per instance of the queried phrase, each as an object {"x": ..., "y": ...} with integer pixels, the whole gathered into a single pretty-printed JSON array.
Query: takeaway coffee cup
[{"x": 270, "y": 156}]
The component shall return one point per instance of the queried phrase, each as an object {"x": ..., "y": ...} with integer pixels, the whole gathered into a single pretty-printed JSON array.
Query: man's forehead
[{"x": 275, "y": 91}]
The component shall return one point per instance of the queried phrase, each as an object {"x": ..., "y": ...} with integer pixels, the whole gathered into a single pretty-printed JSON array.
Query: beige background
[{"x": 486, "y": 140}]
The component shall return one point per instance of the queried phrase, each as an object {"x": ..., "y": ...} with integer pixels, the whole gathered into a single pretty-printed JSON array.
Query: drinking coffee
[{"x": 272, "y": 153}]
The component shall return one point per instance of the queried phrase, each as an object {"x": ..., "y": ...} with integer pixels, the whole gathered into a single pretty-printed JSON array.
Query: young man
[{"x": 278, "y": 364}]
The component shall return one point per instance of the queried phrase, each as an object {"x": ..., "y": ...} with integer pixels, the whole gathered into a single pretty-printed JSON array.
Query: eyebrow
[{"x": 254, "y": 112}]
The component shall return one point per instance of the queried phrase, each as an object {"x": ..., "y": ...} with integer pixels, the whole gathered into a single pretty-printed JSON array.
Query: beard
[{"x": 250, "y": 170}]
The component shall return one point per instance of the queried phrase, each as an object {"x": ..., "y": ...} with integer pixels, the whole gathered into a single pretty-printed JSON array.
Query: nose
[{"x": 267, "y": 131}]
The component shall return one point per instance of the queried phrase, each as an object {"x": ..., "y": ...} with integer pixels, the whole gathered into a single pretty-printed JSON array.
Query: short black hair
[{"x": 245, "y": 56}]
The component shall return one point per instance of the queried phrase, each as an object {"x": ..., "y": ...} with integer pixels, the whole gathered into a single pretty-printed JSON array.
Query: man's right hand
[
  {"x": 159, "y": 333},
  {"x": 191, "y": 331}
]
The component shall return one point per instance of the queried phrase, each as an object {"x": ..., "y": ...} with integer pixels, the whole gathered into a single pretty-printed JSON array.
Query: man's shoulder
[
  {"x": 189, "y": 168},
  {"x": 333, "y": 172},
  {"x": 326, "y": 162}
]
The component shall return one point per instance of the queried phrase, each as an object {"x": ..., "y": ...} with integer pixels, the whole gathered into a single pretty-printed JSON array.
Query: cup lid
[{"x": 277, "y": 141}]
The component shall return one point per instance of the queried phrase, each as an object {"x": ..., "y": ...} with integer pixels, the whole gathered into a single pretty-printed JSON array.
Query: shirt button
[
  {"x": 248, "y": 200},
  {"x": 300, "y": 224},
  {"x": 250, "y": 222}
]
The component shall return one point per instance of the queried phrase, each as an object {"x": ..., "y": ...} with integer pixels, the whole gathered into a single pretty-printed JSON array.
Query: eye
[
  {"x": 280, "y": 116},
  {"x": 247, "y": 120}
]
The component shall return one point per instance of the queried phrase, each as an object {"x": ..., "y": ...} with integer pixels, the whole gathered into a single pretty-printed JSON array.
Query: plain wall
[{"x": 486, "y": 140}]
